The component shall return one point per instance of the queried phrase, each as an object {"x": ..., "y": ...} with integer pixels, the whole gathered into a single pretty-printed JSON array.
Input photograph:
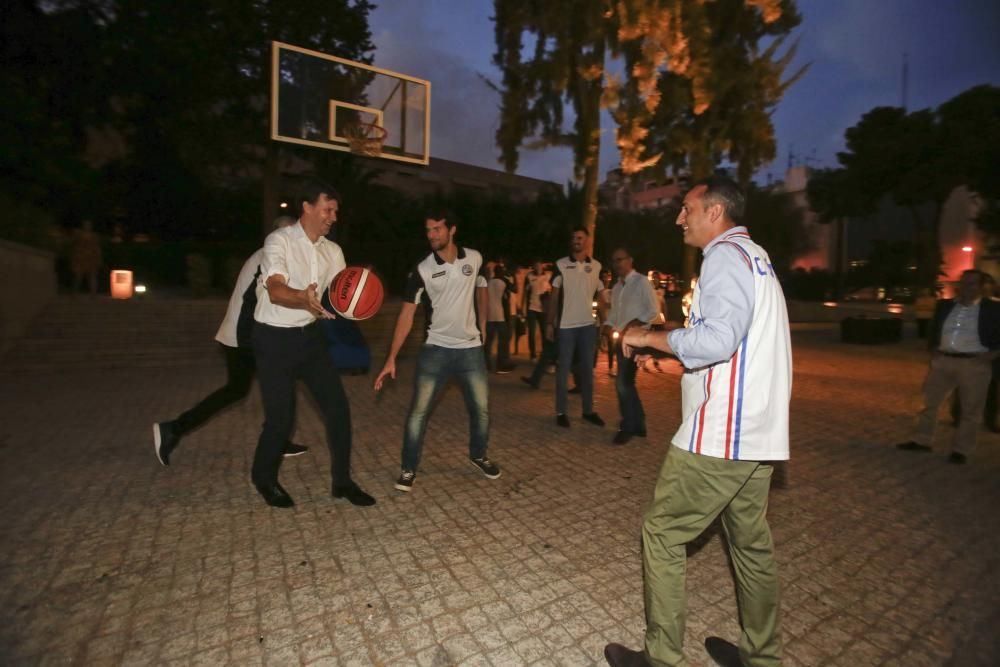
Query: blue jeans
[
  {"x": 633, "y": 416},
  {"x": 435, "y": 366},
  {"x": 582, "y": 341}
]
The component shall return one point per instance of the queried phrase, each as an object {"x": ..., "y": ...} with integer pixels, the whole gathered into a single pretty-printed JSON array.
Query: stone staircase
[{"x": 100, "y": 333}]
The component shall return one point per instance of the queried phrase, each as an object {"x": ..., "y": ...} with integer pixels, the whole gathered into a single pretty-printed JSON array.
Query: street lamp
[{"x": 972, "y": 258}]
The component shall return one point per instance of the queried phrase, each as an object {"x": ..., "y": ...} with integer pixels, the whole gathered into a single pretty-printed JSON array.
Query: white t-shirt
[
  {"x": 578, "y": 282},
  {"x": 448, "y": 291}
]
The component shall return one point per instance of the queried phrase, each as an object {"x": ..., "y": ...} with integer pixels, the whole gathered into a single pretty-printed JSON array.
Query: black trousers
[
  {"x": 535, "y": 320},
  {"x": 240, "y": 369},
  {"x": 284, "y": 356}
]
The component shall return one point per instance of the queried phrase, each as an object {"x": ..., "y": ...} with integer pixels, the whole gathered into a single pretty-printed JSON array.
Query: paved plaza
[{"x": 886, "y": 557}]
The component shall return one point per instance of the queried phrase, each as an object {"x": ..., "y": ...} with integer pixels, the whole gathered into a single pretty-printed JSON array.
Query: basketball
[{"x": 356, "y": 293}]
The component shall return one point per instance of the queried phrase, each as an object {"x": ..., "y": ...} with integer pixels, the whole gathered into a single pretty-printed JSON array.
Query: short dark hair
[
  {"x": 983, "y": 276},
  {"x": 312, "y": 188},
  {"x": 723, "y": 190},
  {"x": 579, "y": 228},
  {"x": 441, "y": 213}
]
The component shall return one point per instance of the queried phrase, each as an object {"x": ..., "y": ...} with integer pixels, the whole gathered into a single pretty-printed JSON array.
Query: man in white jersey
[
  {"x": 298, "y": 264},
  {"x": 571, "y": 324},
  {"x": 450, "y": 284},
  {"x": 735, "y": 391}
]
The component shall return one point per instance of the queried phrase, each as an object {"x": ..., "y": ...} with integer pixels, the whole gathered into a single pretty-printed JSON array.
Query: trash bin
[{"x": 871, "y": 330}]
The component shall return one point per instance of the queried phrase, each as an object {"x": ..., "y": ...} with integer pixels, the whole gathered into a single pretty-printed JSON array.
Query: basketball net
[{"x": 365, "y": 138}]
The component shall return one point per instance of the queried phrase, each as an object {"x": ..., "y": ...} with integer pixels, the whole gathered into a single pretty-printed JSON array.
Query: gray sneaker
[
  {"x": 405, "y": 481},
  {"x": 487, "y": 467}
]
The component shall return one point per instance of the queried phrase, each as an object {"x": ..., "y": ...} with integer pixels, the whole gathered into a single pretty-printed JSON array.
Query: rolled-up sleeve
[
  {"x": 275, "y": 257},
  {"x": 724, "y": 310}
]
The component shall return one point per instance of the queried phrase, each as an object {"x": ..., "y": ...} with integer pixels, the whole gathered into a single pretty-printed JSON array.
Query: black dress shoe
[
  {"x": 593, "y": 418},
  {"x": 621, "y": 438},
  {"x": 722, "y": 652},
  {"x": 575, "y": 390},
  {"x": 641, "y": 433},
  {"x": 274, "y": 495},
  {"x": 528, "y": 381},
  {"x": 353, "y": 493},
  {"x": 911, "y": 446},
  {"x": 562, "y": 420},
  {"x": 619, "y": 656},
  {"x": 957, "y": 457}
]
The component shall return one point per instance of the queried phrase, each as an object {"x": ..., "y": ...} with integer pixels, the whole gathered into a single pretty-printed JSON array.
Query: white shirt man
[
  {"x": 633, "y": 303},
  {"x": 298, "y": 262}
]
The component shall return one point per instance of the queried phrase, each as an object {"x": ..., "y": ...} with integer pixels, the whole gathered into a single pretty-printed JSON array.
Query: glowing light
[
  {"x": 283, "y": 204},
  {"x": 967, "y": 248},
  {"x": 614, "y": 334},
  {"x": 830, "y": 304},
  {"x": 140, "y": 289},
  {"x": 895, "y": 309}
]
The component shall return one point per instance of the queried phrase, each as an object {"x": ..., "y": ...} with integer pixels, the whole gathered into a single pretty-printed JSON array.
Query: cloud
[{"x": 465, "y": 111}]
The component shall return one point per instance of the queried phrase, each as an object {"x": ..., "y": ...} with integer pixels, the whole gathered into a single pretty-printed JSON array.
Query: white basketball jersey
[{"x": 738, "y": 409}]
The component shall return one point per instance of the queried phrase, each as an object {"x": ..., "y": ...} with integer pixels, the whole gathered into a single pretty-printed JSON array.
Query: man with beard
[{"x": 450, "y": 284}]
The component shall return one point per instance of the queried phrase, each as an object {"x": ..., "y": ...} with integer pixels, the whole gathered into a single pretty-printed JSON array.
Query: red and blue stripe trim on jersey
[{"x": 735, "y": 422}]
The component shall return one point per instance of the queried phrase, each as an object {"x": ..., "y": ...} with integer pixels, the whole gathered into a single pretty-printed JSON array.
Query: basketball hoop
[{"x": 365, "y": 138}]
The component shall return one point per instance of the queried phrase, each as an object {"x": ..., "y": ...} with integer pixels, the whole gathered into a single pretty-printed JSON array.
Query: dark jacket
[{"x": 989, "y": 323}]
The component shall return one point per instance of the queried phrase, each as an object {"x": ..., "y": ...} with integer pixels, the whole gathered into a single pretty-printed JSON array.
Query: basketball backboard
[{"x": 314, "y": 96}]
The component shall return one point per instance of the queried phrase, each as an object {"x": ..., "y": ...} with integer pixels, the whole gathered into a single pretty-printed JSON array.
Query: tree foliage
[
  {"x": 697, "y": 85},
  {"x": 169, "y": 98},
  {"x": 917, "y": 159}
]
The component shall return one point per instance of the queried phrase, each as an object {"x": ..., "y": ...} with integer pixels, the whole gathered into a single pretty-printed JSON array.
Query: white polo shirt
[
  {"x": 448, "y": 292},
  {"x": 578, "y": 282},
  {"x": 290, "y": 253}
]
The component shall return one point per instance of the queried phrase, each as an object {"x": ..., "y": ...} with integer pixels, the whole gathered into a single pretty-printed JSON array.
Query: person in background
[
  {"x": 85, "y": 257},
  {"x": 537, "y": 288},
  {"x": 234, "y": 340},
  {"x": 633, "y": 304},
  {"x": 499, "y": 290},
  {"x": 964, "y": 341},
  {"x": 570, "y": 321}
]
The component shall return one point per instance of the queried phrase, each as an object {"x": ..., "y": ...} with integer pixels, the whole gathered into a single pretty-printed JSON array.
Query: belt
[
  {"x": 306, "y": 327},
  {"x": 959, "y": 355}
]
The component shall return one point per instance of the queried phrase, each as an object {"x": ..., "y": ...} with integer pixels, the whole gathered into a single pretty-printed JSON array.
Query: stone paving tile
[{"x": 885, "y": 558}]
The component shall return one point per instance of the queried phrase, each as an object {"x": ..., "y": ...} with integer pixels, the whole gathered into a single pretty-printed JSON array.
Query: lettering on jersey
[
  {"x": 571, "y": 266},
  {"x": 587, "y": 268},
  {"x": 694, "y": 320},
  {"x": 760, "y": 270},
  {"x": 439, "y": 274},
  {"x": 466, "y": 269}
]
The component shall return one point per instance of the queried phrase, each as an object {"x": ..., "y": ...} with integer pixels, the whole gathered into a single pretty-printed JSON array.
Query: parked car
[{"x": 877, "y": 294}]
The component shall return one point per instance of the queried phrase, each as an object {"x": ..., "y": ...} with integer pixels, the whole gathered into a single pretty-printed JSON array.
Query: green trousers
[{"x": 691, "y": 492}]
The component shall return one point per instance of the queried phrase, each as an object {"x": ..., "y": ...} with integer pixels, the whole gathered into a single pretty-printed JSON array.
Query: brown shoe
[{"x": 619, "y": 656}]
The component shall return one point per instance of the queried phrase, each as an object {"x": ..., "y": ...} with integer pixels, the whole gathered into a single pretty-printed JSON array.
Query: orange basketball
[{"x": 356, "y": 293}]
